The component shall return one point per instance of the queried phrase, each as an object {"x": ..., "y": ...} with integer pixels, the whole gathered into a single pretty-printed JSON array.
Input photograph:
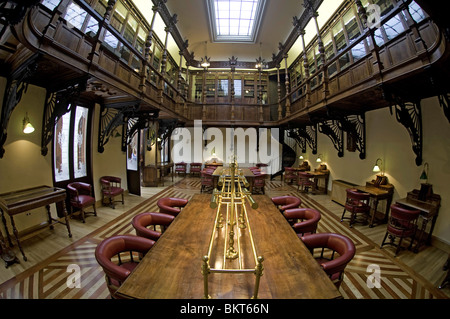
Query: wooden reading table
[
  {"x": 172, "y": 268},
  {"x": 429, "y": 209},
  {"x": 21, "y": 201},
  {"x": 377, "y": 194}
]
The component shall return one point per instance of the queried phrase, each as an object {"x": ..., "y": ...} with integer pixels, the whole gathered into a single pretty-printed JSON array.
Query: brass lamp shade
[
  {"x": 424, "y": 175},
  {"x": 377, "y": 168}
]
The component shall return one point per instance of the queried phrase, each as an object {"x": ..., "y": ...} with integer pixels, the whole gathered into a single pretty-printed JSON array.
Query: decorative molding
[
  {"x": 303, "y": 135},
  {"x": 444, "y": 101},
  {"x": 333, "y": 130},
  {"x": 57, "y": 103},
  {"x": 409, "y": 114},
  {"x": 355, "y": 126},
  {"x": 16, "y": 85}
]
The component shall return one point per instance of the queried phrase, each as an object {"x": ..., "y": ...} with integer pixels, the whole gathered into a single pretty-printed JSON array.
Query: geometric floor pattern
[{"x": 48, "y": 279}]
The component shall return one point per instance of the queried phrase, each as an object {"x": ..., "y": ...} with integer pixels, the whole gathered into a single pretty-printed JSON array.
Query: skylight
[{"x": 235, "y": 20}]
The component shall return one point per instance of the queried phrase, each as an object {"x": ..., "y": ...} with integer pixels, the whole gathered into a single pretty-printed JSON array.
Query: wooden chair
[
  {"x": 118, "y": 266},
  {"x": 290, "y": 174},
  {"x": 111, "y": 187},
  {"x": 305, "y": 181},
  {"x": 259, "y": 183},
  {"x": 180, "y": 168},
  {"x": 207, "y": 180},
  {"x": 196, "y": 168},
  {"x": 402, "y": 224},
  {"x": 81, "y": 196},
  {"x": 330, "y": 243},
  {"x": 356, "y": 203}
]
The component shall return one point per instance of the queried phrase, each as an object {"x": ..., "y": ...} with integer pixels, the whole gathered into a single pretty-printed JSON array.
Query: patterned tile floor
[{"x": 48, "y": 279}]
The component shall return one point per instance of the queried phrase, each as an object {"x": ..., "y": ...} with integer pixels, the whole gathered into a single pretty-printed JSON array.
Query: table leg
[
  {"x": 66, "y": 218},
  {"x": 49, "y": 216},
  {"x": 422, "y": 231},
  {"x": 6, "y": 230},
  {"x": 388, "y": 207},
  {"x": 372, "y": 218},
  {"x": 16, "y": 234}
]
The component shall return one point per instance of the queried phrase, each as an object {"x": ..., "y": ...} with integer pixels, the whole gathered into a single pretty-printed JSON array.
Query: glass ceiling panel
[{"x": 235, "y": 20}]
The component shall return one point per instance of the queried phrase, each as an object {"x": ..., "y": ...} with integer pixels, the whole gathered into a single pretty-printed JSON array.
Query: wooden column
[
  {"x": 93, "y": 55},
  {"x": 306, "y": 68},
  {"x": 288, "y": 99},
  {"x": 323, "y": 68},
  {"x": 377, "y": 64},
  {"x": 280, "y": 110},
  {"x": 148, "y": 46}
]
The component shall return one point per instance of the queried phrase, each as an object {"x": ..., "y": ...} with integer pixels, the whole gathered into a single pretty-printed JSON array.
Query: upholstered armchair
[
  {"x": 356, "y": 203},
  {"x": 303, "y": 220},
  {"x": 111, "y": 187},
  {"x": 171, "y": 205},
  {"x": 81, "y": 197},
  {"x": 195, "y": 168},
  {"x": 402, "y": 224},
  {"x": 286, "y": 202},
  {"x": 180, "y": 168},
  {"x": 333, "y": 264},
  {"x": 116, "y": 273},
  {"x": 143, "y": 221}
]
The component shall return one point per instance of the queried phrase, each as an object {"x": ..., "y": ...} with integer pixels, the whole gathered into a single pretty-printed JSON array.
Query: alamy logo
[
  {"x": 374, "y": 280},
  {"x": 74, "y": 279}
]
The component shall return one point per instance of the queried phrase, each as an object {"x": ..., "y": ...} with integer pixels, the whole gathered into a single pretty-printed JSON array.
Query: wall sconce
[
  {"x": 300, "y": 157},
  {"x": 319, "y": 159},
  {"x": 424, "y": 175},
  {"x": 27, "y": 127},
  {"x": 377, "y": 168}
]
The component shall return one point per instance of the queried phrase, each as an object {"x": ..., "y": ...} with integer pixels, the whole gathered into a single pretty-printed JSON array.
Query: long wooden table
[
  {"x": 245, "y": 172},
  {"x": 172, "y": 268},
  {"x": 21, "y": 201}
]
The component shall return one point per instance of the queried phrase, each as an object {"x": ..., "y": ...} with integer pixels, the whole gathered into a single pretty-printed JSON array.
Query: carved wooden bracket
[
  {"x": 58, "y": 103},
  {"x": 305, "y": 135},
  {"x": 110, "y": 119},
  {"x": 16, "y": 85},
  {"x": 333, "y": 130},
  {"x": 409, "y": 114},
  {"x": 444, "y": 101},
  {"x": 112, "y": 116},
  {"x": 355, "y": 126}
]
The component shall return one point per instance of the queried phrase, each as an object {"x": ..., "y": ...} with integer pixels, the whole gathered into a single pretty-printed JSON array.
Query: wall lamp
[
  {"x": 319, "y": 159},
  {"x": 377, "y": 168},
  {"x": 27, "y": 127},
  {"x": 424, "y": 175}
]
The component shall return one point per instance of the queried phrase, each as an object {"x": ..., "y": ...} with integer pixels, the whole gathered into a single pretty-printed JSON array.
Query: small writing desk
[
  {"x": 429, "y": 210},
  {"x": 17, "y": 202},
  {"x": 319, "y": 174},
  {"x": 172, "y": 267},
  {"x": 377, "y": 194}
]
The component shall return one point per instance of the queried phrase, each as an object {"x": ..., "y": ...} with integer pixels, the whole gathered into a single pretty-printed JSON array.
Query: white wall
[
  {"x": 389, "y": 140},
  {"x": 189, "y": 146}
]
